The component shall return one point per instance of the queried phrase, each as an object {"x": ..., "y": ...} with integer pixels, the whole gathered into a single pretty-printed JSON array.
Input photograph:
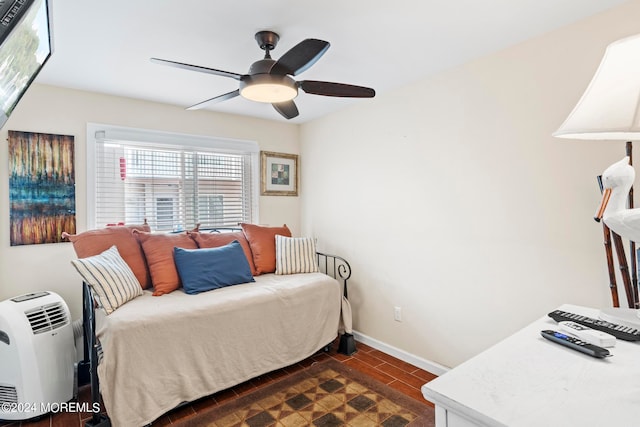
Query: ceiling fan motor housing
[{"x": 262, "y": 66}]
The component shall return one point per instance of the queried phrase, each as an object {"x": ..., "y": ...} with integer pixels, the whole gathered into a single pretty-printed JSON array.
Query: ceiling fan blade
[
  {"x": 197, "y": 68},
  {"x": 215, "y": 100},
  {"x": 288, "y": 109},
  {"x": 336, "y": 89},
  {"x": 300, "y": 57}
]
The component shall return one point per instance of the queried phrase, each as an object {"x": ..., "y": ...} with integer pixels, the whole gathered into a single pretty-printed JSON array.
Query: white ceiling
[{"x": 105, "y": 46}]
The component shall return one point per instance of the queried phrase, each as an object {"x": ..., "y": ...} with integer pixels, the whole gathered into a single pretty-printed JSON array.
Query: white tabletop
[{"x": 526, "y": 380}]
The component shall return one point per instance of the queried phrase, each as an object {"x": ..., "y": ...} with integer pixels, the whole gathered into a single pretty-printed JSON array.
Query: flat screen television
[{"x": 25, "y": 46}]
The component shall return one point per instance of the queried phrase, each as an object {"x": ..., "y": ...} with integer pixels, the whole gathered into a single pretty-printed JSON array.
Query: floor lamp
[{"x": 610, "y": 110}]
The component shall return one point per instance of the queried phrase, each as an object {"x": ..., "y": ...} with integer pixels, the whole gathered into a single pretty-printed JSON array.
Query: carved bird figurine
[{"x": 617, "y": 180}]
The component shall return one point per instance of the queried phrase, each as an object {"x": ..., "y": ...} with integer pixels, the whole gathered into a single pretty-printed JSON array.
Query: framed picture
[
  {"x": 42, "y": 195},
  {"x": 278, "y": 174}
]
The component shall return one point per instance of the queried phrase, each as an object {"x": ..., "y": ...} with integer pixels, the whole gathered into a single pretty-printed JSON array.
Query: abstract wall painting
[{"x": 42, "y": 201}]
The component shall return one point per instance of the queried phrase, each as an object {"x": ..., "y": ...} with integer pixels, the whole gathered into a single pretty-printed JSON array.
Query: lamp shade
[{"x": 610, "y": 107}]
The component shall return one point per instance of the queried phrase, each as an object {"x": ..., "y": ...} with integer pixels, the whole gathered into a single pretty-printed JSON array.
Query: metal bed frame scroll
[
  {"x": 331, "y": 265},
  {"x": 338, "y": 268}
]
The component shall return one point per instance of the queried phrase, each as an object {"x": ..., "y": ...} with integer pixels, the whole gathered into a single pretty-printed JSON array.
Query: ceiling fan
[{"x": 270, "y": 81}]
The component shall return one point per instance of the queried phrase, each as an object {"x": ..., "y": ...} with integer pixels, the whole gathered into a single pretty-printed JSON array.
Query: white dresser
[{"x": 526, "y": 380}]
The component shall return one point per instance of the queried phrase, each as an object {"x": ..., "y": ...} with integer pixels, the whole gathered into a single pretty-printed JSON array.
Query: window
[
  {"x": 172, "y": 181},
  {"x": 211, "y": 206}
]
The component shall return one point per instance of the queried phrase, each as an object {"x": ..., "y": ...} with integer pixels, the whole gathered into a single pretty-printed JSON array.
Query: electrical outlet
[{"x": 397, "y": 314}]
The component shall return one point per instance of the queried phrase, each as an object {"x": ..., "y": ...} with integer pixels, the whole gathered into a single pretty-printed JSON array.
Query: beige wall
[
  {"x": 453, "y": 201},
  {"x": 62, "y": 111}
]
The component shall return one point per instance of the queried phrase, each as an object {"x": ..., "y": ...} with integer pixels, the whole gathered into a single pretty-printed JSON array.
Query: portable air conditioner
[{"x": 37, "y": 355}]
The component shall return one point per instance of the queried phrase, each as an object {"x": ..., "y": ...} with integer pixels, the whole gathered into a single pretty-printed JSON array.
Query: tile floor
[{"x": 400, "y": 375}]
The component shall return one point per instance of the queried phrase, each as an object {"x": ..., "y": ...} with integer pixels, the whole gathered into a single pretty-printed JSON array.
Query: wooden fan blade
[
  {"x": 215, "y": 100},
  {"x": 300, "y": 57},
  {"x": 288, "y": 109},
  {"x": 336, "y": 89},
  {"x": 197, "y": 68}
]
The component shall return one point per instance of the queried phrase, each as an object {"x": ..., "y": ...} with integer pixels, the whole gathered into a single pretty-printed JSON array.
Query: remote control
[
  {"x": 575, "y": 344},
  {"x": 589, "y": 335},
  {"x": 619, "y": 331}
]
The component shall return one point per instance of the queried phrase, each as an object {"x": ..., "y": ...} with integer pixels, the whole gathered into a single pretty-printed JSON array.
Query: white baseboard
[{"x": 427, "y": 365}]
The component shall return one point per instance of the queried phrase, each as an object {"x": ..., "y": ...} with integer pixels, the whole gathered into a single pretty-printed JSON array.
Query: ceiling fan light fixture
[{"x": 268, "y": 88}]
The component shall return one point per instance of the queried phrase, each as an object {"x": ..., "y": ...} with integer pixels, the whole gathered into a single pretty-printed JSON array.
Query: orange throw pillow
[
  {"x": 262, "y": 241},
  {"x": 158, "y": 249},
  {"x": 94, "y": 242},
  {"x": 215, "y": 240}
]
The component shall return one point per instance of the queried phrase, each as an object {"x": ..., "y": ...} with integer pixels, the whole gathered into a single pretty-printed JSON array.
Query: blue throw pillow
[{"x": 202, "y": 270}]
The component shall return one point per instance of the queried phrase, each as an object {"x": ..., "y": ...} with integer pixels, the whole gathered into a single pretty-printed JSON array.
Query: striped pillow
[
  {"x": 295, "y": 255},
  {"x": 110, "y": 278}
]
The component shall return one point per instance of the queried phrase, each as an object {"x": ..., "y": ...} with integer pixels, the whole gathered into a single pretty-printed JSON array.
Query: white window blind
[{"x": 173, "y": 185}]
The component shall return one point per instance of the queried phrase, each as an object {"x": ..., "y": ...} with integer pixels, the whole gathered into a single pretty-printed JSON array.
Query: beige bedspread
[{"x": 161, "y": 351}]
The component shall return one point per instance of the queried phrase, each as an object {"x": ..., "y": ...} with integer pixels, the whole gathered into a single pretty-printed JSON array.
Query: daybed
[{"x": 160, "y": 351}]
